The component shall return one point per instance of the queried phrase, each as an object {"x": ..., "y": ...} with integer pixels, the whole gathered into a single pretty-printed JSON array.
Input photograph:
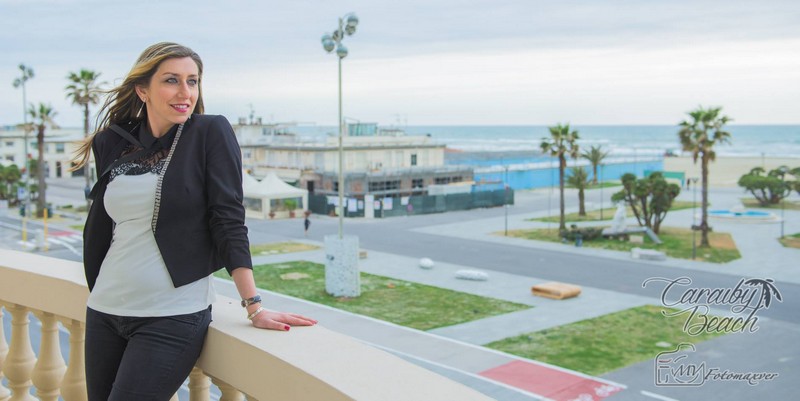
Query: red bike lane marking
[{"x": 552, "y": 383}]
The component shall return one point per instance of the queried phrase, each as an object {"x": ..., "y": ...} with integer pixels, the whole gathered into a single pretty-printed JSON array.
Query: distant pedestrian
[{"x": 306, "y": 224}]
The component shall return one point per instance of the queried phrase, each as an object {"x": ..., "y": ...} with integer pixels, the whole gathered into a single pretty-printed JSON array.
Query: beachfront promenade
[{"x": 611, "y": 282}]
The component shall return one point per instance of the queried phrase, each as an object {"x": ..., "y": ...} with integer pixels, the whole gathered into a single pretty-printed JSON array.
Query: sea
[{"x": 621, "y": 140}]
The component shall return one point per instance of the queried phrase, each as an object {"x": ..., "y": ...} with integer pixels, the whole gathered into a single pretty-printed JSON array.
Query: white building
[
  {"x": 375, "y": 160},
  {"x": 60, "y": 146}
]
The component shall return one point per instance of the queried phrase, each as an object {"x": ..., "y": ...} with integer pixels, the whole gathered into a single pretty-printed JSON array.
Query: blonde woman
[{"x": 167, "y": 213}]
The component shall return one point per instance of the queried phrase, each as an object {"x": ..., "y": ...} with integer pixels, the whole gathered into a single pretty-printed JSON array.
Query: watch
[{"x": 249, "y": 301}]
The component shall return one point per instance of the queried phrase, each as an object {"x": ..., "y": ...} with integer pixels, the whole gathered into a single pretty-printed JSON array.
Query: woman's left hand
[{"x": 280, "y": 321}]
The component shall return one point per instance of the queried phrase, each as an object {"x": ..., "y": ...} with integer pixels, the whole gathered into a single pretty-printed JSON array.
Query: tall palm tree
[
  {"x": 699, "y": 137},
  {"x": 595, "y": 156},
  {"x": 562, "y": 143},
  {"x": 84, "y": 90},
  {"x": 42, "y": 119},
  {"x": 579, "y": 179}
]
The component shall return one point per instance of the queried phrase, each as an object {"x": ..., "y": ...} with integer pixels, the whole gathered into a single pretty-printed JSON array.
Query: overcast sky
[{"x": 443, "y": 62}]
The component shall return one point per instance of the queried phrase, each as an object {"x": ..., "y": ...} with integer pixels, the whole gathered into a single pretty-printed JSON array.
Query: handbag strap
[{"x": 124, "y": 159}]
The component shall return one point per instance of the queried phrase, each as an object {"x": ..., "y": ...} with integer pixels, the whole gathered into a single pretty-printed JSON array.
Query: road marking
[{"x": 656, "y": 396}]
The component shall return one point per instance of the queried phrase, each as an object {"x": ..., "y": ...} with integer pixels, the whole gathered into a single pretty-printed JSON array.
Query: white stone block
[
  {"x": 342, "y": 278},
  {"x": 472, "y": 275},
  {"x": 426, "y": 263}
]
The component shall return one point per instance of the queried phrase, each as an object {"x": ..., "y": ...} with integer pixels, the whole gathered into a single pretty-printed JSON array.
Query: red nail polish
[{"x": 286, "y": 328}]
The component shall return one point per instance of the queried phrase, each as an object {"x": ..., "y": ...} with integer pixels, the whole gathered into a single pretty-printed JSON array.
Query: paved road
[{"x": 425, "y": 236}]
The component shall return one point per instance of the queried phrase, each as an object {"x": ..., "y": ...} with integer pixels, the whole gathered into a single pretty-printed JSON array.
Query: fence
[{"x": 392, "y": 206}]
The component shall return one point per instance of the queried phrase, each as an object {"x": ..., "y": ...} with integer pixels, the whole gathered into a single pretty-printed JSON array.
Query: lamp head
[
  {"x": 341, "y": 51},
  {"x": 327, "y": 43}
]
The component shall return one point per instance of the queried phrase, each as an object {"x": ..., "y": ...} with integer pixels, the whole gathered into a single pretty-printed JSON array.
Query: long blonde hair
[{"x": 122, "y": 104}]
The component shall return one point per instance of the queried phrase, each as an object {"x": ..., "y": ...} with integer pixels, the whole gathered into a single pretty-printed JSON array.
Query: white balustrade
[
  {"x": 295, "y": 370},
  {"x": 50, "y": 367},
  {"x": 20, "y": 361},
  {"x": 5, "y": 393},
  {"x": 73, "y": 386},
  {"x": 199, "y": 385},
  {"x": 229, "y": 393}
]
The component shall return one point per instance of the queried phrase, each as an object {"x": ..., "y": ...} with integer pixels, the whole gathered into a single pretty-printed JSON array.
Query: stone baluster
[
  {"x": 199, "y": 385},
  {"x": 73, "y": 386},
  {"x": 5, "y": 394},
  {"x": 50, "y": 367},
  {"x": 21, "y": 359},
  {"x": 229, "y": 393}
]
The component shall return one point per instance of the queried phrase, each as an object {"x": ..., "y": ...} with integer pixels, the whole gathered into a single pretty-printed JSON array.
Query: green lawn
[
  {"x": 606, "y": 343},
  {"x": 752, "y": 203},
  {"x": 408, "y": 304},
  {"x": 608, "y": 213},
  {"x": 677, "y": 243},
  {"x": 280, "y": 247}
]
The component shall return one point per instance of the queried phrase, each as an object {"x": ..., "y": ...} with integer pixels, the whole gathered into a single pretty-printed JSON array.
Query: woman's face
[{"x": 171, "y": 95}]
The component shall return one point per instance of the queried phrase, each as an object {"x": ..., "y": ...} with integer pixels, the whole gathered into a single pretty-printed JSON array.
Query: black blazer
[{"x": 200, "y": 226}]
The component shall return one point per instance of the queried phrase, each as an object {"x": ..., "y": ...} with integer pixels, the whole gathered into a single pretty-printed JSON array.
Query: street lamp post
[
  {"x": 506, "y": 199},
  {"x": 601, "y": 191},
  {"x": 694, "y": 218},
  {"x": 347, "y": 26},
  {"x": 342, "y": 278},
  {"x": 26, "y": 74}
]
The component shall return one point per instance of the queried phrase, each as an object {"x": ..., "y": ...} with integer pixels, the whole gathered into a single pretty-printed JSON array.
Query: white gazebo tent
[{"x": 272, "y": 195}]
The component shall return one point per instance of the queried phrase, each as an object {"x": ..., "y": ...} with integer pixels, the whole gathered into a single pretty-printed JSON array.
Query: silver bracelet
[{"x": 254, "y": 314}]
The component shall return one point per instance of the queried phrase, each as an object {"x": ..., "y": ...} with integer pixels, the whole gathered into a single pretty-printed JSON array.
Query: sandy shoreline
[{"x": 726, "y": 171}]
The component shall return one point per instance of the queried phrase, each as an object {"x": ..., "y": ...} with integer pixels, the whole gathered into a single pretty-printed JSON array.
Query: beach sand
[{"x": 726, "y": 171}]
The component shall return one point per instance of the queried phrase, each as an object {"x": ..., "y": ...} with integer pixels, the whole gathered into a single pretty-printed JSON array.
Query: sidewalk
[{"x": 453, "y": 351}]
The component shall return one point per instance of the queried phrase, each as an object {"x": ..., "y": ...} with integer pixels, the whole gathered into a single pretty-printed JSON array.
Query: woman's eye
[
  {"x": 192, "y": 82},
  {"x": 172, "y": 80}
]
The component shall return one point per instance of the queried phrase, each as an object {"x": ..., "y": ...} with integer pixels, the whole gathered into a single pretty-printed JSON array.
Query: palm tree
[
  {"x": 594, "y": 155},
  {"x": 699, "y": 137},
  {"x": 579, "y": 179},
  {"x": 562, "y": 143},
  {"x": 42, "y": 119},
  {"x": 83, "y": 91}
]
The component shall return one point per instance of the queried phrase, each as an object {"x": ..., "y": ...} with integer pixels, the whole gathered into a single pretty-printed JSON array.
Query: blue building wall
[{"x": 521, "y": 177}]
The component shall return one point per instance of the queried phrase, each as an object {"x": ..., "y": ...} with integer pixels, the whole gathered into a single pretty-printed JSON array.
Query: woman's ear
[{"x": 141, "y": 92}]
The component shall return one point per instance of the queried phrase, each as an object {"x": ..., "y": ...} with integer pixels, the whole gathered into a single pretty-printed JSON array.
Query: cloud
[{"x": 470, "y": 62}]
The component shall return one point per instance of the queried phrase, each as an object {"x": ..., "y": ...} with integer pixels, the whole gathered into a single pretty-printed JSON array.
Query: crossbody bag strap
[
  {"x": 124, "y": 159},
  {"x": 125, "y": 134}
]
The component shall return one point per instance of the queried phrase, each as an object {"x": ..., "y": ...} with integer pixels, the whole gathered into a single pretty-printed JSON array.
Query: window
[
  {"x": 9, "y": 143},
  {"x": 60, "y": 147},
  {"x": 441, "y": 180},
  {"x": 417, "y": 183},
  {"x": 380, "y": 186},
  {"x": 414, "y": 159}
]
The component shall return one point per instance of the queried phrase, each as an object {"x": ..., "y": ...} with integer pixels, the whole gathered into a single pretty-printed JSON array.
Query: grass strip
[
  {"x": 791, "y": 241},
  {"x": 401, "y": 302},
  {"x": 606, "y": 343},
  {"x": 677, "y": 243},
  {"x": 280, "y": 247},
  {"x": 752, "y": 203},
  {"x": 606, "y": 214}
]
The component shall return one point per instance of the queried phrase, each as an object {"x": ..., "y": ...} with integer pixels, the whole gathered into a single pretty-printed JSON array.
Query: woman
[{"x": 167, "y": 213}]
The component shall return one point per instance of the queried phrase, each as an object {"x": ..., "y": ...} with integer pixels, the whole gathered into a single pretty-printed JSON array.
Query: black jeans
[{"x": 141, "y": 358}]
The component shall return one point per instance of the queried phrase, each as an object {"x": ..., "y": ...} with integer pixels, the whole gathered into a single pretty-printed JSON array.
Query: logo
[
  {"x": 744, "y": 301},
  {"x": 676, "y": 369}
]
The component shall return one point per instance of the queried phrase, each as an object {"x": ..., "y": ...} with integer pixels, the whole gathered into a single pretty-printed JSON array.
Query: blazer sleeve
[{"x": 225, "y": 195}]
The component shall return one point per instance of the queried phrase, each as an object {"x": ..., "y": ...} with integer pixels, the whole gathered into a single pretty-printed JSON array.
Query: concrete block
[
  {"x": 636, "y": 239},
  {"x": 556, "y": 290},
  {"x": 647, "y": 254}
]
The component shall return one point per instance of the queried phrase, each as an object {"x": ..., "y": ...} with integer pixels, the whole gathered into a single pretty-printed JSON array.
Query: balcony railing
[{"x": 310, "y": 363}]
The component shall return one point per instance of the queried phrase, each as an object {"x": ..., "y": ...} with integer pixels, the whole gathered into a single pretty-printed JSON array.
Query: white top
[{"x": 133, "y": 279}]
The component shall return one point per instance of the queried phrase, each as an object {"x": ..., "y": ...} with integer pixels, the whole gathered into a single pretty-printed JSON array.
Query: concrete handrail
[{"x": 307, "y": 363}]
